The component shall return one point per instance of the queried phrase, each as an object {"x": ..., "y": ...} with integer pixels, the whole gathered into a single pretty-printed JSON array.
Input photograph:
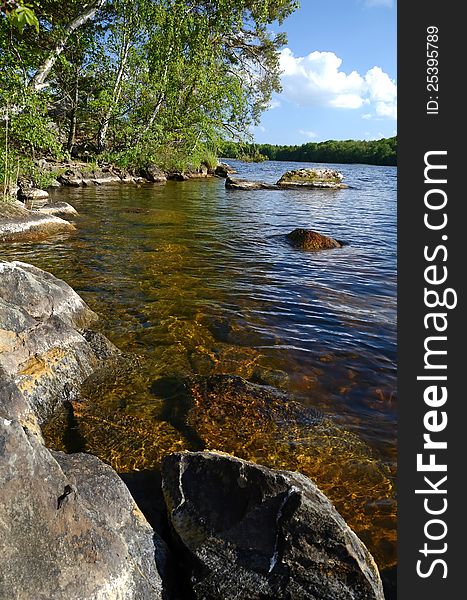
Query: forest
[
  {"x": 134, "y": 81},
  {"x": 374, "y": 152}
]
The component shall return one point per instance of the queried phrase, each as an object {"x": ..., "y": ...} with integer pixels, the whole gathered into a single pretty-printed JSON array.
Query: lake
[{"x": 194, "y": 279}]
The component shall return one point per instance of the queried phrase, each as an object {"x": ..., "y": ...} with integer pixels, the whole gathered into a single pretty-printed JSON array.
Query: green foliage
[
  {"x": 31, "y": 130},
  {"x": 24, "y": 16},
  {"x": 169, "y": 158},
  {"x": 138, "y": 78},
  {"x": 374, "y": 152}
]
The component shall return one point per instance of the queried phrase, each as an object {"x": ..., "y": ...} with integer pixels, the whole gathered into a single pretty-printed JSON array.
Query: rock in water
[
  {"x": 69, "y": 527},
  {"x": 58, "y": 208},
  {"x": 245, "y": 185},
  {"x": 45, "y": 345},
  {"x": 312, "y": 178},
  {"x": 18, "y": 223},
  {"x": 223, "y": 170},
  {"x": 251, "y": 533},
  {"x": 306, "y": 239}
]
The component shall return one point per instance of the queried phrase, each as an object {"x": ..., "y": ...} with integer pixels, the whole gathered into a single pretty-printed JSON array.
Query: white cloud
[
  {"x": 382, "y": 92},
  {"x": 311, "y": 135},
  {"x": 316, "y": 80}
]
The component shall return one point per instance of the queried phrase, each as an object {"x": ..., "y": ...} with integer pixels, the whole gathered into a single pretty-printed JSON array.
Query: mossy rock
[{"x": 319, "y": 178}]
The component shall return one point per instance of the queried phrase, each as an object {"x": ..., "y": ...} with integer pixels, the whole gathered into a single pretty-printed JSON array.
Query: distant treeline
[{"x": 375, "y": 152}]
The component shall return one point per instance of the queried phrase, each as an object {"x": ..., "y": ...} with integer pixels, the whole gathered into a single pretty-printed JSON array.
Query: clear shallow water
[{"x": 196, "y": 279}]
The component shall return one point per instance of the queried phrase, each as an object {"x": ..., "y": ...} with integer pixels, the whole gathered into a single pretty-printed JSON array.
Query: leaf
[{"x": 23, "y": 16}]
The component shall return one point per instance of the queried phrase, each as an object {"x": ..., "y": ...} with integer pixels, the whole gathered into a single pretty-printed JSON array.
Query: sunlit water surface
[{"x": 195, "y": 279}]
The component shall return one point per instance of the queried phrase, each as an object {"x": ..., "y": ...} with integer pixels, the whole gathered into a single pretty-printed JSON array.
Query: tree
[{"x": 136, "y": 75}]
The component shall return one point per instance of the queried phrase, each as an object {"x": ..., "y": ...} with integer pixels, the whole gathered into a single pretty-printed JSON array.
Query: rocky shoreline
[
  {"x": 30, "y": 215},
  {"x": 224, "y": 527}
]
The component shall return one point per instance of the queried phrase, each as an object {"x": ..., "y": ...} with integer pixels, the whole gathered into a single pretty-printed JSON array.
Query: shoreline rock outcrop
[
  {"x": 46, "y": 344},
  {"x": 68, "y": 527},
  {"x": 18, "y": 223}
]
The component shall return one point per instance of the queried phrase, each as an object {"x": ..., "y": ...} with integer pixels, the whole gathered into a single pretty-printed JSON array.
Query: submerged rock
[
  {"x": 69, "y": 526},
  {"x": 312, "y": 178},
  {"x": 18, "y": 223},
  {"x": 258, "y": 423},
  {"x": 254, "y": 422},
  {"x": 44, "y": 347},
  {"x": 251, "y": 533},
  {"x": 306, "y": 239}
]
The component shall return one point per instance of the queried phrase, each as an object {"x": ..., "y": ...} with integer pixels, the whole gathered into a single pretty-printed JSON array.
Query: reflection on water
[{"x": 197, "y": 280}]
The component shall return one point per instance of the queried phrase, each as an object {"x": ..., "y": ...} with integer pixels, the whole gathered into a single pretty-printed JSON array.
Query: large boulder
[
  {"x": 251, "y": 533},
  {"x": 312, "y": 178},
  {"x": 81, "y": 174},
  {"x": 46, "y": 346},
  {"x": 69, "y": 527},
  {"x": 306, "y": 239}
]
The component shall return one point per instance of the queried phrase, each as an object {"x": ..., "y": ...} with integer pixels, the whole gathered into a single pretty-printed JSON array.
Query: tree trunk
[
  {"x": 102, "y": 135},
  {"x": 73, "y": 114},
  {"x": 152, "y": 118},
  {"x": 37, "y": 82}
]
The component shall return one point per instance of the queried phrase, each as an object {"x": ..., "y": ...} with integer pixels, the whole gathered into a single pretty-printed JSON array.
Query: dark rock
[
  {"x": 177, "y": 176},
  {"x": 69, "y": 526},
  {"x": 223, "y": 170},
  {"x": 243, "y": 184},
  {"x": 306, "y": 239},
  {"x": 33, "y": 197},
  {"x": 197, "y": 172},
  {"x": 312, "y": 178},
  {"x": 42, "y": 345},
  {"x": 249, "y": 533},
  {"x": 71, "y": 178},
  {"x": 154, "y": 174}
]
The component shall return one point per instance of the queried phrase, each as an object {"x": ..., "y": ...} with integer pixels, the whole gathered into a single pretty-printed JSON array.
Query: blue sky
[{"x": 339, "y": 73}]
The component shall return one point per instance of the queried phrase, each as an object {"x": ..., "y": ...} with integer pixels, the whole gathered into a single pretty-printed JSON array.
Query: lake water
[{"x": 195, "y": 279}]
